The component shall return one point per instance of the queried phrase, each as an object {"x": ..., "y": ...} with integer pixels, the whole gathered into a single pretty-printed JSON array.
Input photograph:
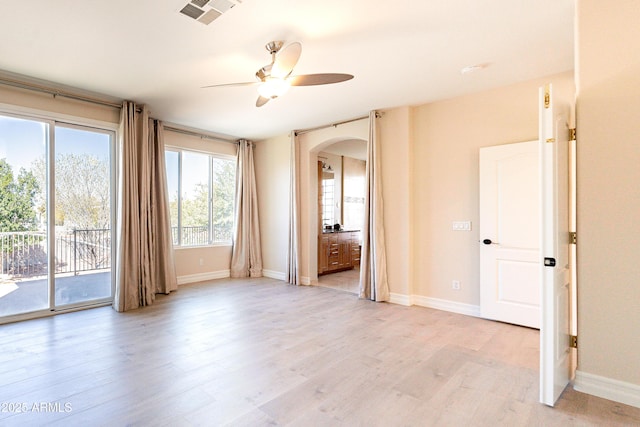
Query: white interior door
[
  {"x": 555, "y": 271},
  {"x": 510, "y": 233}
]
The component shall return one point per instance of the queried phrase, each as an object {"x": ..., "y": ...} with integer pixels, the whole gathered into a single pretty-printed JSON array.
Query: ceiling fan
[{"x": 274, "y": 79}]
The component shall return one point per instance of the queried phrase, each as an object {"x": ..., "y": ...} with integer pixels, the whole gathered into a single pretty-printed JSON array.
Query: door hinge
[
  {"x": 573, "y": 341},
  {"x": 547, "y": 97},
  {"x": 551, "y": 140},
  {"x": 572, "y": 134},
  {"x": 573, "y": 237}
]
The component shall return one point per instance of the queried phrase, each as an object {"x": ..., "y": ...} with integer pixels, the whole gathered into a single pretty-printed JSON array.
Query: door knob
[{"x": 487, "y": 241}]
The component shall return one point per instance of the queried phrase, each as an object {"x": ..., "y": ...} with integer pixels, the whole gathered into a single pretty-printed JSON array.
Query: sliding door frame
[{"x": 52, "y": 120}]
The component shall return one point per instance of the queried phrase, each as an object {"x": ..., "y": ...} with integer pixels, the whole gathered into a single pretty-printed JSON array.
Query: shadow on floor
[{"x": 31, "y": 295}]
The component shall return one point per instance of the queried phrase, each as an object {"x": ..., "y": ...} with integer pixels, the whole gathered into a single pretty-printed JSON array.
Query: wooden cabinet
[
  {"x": 323, "y": 254},
  {"x": 338, "y": 251}
]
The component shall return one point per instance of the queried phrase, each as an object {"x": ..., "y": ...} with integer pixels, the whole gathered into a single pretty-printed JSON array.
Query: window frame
[{"x": 211, "y": 156}]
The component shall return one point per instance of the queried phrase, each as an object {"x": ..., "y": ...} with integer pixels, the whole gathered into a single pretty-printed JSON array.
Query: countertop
[{"x": 346, "y": 230}]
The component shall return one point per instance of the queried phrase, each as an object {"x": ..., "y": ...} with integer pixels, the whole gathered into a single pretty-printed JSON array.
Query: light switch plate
[{"x": 461, "y": 225}]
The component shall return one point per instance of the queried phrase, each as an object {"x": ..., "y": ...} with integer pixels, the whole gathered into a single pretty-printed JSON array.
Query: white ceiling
[{"x": 405, "y": 52}]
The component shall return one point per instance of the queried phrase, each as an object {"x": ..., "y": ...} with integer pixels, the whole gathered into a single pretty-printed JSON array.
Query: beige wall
[
  {"x": 271, "y": 159},
  {"x": 447, "y": 136},
  {"x": 608, "y": 112},
  {"x": 429, "y": 162},
  {"x": 395, "y": 133}
]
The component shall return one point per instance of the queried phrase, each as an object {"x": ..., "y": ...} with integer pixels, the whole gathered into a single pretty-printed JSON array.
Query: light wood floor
[
  {"x": 260, "y": 352},
  {"x": 348, "y": 281}
]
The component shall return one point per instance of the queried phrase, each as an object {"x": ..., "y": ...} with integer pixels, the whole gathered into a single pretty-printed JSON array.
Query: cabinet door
[
  {"x": 323, "y": 254},
  {"x": 345, "y": 250}
]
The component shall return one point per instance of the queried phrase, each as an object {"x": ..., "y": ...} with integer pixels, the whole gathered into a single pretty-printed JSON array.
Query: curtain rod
[
  {"x": 199, "y": 135},
  {"x": 58, "y": 92},
  {"x": 303, "y": 131}
]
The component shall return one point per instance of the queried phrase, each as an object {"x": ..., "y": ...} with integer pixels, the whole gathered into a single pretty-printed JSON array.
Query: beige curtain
[
  {"x": 246, "y": 257},
  {"x": 293, "y": 251},
  {"x": 373, "y": 258},
  {"x": 144, "y": 260}
]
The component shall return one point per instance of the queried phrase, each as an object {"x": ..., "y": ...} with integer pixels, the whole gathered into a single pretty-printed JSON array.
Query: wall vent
[{"x": 207, "y": 11}]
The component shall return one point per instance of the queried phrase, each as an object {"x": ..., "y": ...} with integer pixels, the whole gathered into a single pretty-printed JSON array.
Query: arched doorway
[{"x": 311, "y": 144}]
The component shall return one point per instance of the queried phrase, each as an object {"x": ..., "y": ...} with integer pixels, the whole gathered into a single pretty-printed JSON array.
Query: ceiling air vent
[
  {"x": 222, "y": 5},
  {"x": 207, "y": 11},
  {"x": 199, "y": 3},
  {"x": 192, "y": 11}
]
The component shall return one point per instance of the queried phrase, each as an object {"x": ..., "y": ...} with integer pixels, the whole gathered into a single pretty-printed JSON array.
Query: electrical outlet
[
  {"x": 461, "y": 225},
  {"x": 455, "y": 285},
  {"x": 201, "y": 261}
]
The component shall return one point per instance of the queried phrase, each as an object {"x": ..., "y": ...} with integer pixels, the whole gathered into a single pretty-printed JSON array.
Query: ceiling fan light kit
[
  {"x": 275, "y": 78},
  {"x": 273, "y": 87}
]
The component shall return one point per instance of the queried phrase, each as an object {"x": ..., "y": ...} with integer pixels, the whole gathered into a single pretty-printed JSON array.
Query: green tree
[
  {"x": 224, "y": 185},
  {"x": 17, "y": 199},
  {"x": 195, "y": 205},
  {"x": 195, "y": 209}
]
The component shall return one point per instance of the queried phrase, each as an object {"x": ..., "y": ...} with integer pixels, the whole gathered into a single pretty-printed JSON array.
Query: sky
[{"x": 23, "y": 141}]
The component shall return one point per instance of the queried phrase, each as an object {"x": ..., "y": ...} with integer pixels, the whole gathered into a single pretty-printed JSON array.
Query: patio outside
[{"x": 82, "y": 265}]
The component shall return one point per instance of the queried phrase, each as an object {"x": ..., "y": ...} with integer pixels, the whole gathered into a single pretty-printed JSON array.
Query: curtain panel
[
  {"x": 373, "y": 258},
  {"x": 144, "y": 259},
  {"x": 246, "y": 256},
  {"x": 293, "y": 248}
]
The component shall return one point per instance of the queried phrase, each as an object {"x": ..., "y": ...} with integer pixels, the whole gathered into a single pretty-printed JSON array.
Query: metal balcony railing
[
  {"x": 24, "y": 254},
  {"x": 199, "y": 235}
]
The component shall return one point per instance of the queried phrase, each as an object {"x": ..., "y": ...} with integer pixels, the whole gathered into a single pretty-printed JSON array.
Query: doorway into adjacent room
[{"x": 341, "y": 169}]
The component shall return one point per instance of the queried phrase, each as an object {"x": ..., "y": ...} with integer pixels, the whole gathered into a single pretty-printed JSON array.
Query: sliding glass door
[
  {"x": 55, "y": 215},
  {"x": 24, "y": 248},
  {"x": 82, "y": 215}
]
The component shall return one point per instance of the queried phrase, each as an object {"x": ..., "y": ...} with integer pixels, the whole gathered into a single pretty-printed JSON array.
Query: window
[
  {"x": 328, "y": 187},
  {"x": 201, "y": 197}
]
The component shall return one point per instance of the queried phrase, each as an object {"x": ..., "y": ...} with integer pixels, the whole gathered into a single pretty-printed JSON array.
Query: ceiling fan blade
[
  {"x": 261, "y": 101},
  {"x": 318, "y": 79},
  {"x": 232, "y": 84},
  {"x": 286, "y": 60}
]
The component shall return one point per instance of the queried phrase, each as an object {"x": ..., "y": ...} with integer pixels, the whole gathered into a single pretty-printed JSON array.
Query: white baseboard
[
  {"x": 401, "y": 299},
  {"x": 607, "y": 388},
  {"x": 437, "y": 303},
  {"x": 202, "y": 277},
  {"x": 271, "y": 274},
  {"x": 447, "y": 305}
]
